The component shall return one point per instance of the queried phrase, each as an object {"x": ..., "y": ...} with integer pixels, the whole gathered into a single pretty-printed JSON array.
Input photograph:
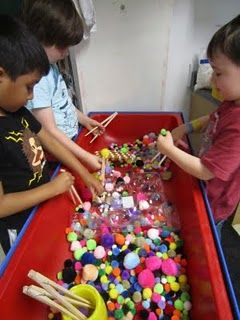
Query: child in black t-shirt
[{"x": 24, "y": 176}]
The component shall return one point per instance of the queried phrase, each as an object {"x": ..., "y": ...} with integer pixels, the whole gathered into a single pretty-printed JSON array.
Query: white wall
[
  {"x": 210, "y": 15},
  {"x": 177, "y": 93},
  {"x": 141, "y": 57},
  {"x": 124, "y": 65},
  {"x": 194, "y": 23}
]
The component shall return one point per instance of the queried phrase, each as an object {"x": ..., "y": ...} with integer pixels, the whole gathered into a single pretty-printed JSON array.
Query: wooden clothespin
[{"x": 53, "y": 295}]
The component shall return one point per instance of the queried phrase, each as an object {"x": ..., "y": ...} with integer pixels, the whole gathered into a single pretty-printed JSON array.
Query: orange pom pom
[{"x": 119, "y": 239}]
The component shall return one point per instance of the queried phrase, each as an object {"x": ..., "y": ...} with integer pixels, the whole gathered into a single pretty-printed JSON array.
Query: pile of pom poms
[
  {"x": 138, "y": 154},
  {"x": 140, "y": 274}
]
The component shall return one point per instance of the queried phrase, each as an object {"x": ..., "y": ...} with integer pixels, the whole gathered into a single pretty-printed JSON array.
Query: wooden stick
[
  {"x": 47, "y": 294},
  {"x": 105, "y": 120},
  {"x": 156, "y": 156},
  {"x": 113, "y": 115},
  {"x": 161, "y": 161},
  {"x": 61, "y": 299},
  {"x": 36, "y": 275},
  {"x": 72, "y": 196},
  {"x": 94, "y": 138},
  {"x": 73, "y": 193},
  {"x": 77, "y": 196},
  {"x": 110, "y": 119},
  {"x": 46, "y": 300},
  {"x": 105, "y": 125}
]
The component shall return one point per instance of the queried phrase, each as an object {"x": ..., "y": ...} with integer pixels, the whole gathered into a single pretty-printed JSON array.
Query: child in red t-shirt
[{"x": 218, "y": 163}]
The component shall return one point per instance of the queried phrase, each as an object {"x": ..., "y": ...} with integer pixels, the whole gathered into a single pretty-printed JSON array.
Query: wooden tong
[
  {"x": 105, "y": 123},
  {"x": 56, "y": 296},
  {"x": 76, "y": 199}
]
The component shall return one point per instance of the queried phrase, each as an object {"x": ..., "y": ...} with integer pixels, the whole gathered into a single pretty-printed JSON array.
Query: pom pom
[
  {"x": 169, "y": 267},
  {"x": 146, "y": 279},
  {"x": 131, "y": 260},
  {"x": 153, "y": 263},
  {"x": 107, "y": 240}
]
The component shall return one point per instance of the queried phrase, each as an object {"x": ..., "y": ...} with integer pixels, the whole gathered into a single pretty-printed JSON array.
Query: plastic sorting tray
[{"x": 42, "y": 245}]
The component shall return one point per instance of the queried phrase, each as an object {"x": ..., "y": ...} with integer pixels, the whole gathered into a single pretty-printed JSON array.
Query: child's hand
[
  {"x": 178, "y": 132},
  {"x": 90, "y": 123},
  {"x": 62, "y": 182},
  {"x": 94, "y": 162},
  {"x": 165, "y": 143},
  {"x": 91, "y": 160},
  {"x": 93, "y": 184}
]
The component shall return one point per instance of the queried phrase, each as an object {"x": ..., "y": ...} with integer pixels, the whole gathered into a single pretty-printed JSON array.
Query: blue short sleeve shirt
[{"x": 51, "y": 91}]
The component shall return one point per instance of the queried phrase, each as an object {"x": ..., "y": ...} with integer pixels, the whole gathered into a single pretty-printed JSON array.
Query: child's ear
[{"x": 2, "y": 73}]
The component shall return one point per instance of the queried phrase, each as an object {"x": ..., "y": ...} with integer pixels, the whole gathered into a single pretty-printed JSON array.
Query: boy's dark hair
[
  {"x": 20, "y": 52},
  {"x": 53, "y": 22},
  {"x": 227, "y": 41}
]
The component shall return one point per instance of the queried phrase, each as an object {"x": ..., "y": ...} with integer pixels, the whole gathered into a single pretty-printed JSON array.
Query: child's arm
[
  {"x": 88, "y": 122},
  {"x": 189, "y": 127},
  {"x": 11, "y": 203},
  {"x": 69, "y": 160},
  {"x": 46, "y": 118},
  {"x": 187, "y": 162}
]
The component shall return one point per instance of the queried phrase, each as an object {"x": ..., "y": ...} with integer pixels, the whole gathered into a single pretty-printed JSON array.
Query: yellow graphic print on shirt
[{"x": 31, "y": 148}]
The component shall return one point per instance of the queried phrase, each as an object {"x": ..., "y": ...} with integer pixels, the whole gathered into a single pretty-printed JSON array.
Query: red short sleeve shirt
[{"x": 220, "y": 153}]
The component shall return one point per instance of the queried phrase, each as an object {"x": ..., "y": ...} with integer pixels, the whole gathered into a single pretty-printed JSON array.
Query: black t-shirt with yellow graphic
[{"x": 22, "y": 161}]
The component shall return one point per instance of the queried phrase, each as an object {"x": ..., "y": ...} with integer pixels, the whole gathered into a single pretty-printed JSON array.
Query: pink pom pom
[
  {"x": 141, "y": 196},
  {"x": 77, "y": 266},
  {"x": 156, "y": 297},
  {"x": 152, "y": 316},
  {"x": 126, "y": 179},
  {"x": 153, "y": 263},
  {"x": 87, "y": 205},
  {"x": 99, "y": 252},
  {"x": 169, "y": 267},
  {"x": 116, "y": 174},
  {"x": 146, "y": 279}
]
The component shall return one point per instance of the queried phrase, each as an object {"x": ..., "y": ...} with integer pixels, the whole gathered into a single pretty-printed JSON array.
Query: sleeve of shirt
[
  {"x": 1, "y": 161},
  {"x": 41, "y": 94},
  {"x": 223, "y": 158},
  {"x": 34, "y": 125}
]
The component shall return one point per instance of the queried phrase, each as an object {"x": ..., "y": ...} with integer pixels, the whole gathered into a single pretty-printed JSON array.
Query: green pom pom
[
  {"x": 163, "y": 132},
  {"x": 118, "y": 314},
  {"x": 178, "y": 304},
  {"x": 72, "y": 236}
]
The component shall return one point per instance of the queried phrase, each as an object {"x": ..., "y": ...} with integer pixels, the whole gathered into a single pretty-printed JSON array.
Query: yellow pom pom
[
  {"x": 172, "y": 246},
  {"x": 105, "y": 153},
  {"x": 147, "y": 293},
  {"x": 108, "y": 269},
  {"x": 113, "y": 294},
  {"x": 175, "y": 286},
  {"x": 182, "y": 278}
]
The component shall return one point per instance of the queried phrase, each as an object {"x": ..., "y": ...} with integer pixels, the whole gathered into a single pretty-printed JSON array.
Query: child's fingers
[
  {"x": 68, "y": 178},
  {"x": 99, "y": 159}
]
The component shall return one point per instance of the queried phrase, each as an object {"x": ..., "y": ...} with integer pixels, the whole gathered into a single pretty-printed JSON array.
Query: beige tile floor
[
  {"x": 236, "y": 220},
  {"x": 2, "y": 255},
  {"x": 237, "y": 228}
]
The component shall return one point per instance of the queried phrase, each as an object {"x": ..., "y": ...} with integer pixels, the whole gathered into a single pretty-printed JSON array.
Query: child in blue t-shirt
[{"x": 57, "y": 25}]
